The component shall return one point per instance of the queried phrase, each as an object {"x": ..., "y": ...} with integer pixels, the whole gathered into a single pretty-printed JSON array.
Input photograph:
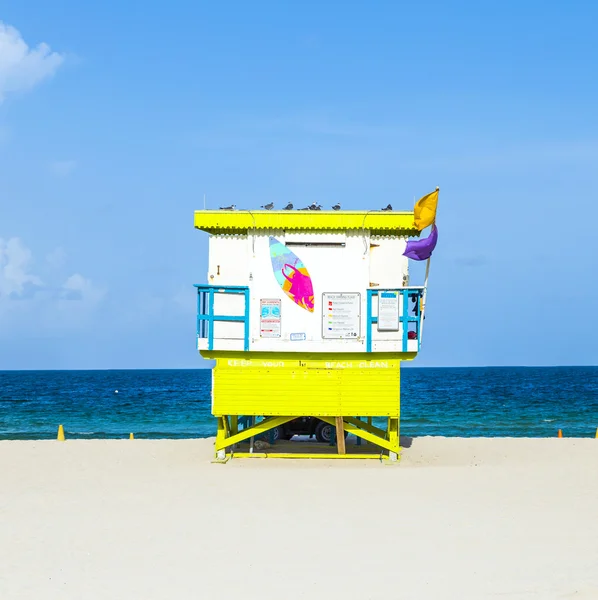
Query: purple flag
[{"x": 422, "y": 249}]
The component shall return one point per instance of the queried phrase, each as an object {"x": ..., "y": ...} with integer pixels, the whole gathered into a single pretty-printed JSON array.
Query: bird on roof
[
  {"x": 231, "y": 207},
  {"x": 388, "y": 207},
  {"x": 337, "y": 206},
  {"x": 269, "y": 206},
  {"x": 315, "y": 206},
  {"x": 289, "y": 206}
]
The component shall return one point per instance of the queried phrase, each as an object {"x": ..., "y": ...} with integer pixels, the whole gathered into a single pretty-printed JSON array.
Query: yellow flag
[{"x": 424, "y": 212}]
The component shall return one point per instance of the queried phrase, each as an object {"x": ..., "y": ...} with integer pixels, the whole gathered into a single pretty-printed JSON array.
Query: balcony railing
[
  {"x": 409, "y": 314},
  {"x": 205, "y": 311}
]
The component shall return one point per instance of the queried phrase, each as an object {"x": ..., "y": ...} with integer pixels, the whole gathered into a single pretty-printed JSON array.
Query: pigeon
[
  {"x": 337, "y": 206},
  {"x": 269, "y": 206},
  {"x": 231, "y": 207},
  {"x": 315, "y": 206},
  {"x": 289, "y": 206},
  {"x": 388, "y": 207},
  {"x": 306, "y": 208}
]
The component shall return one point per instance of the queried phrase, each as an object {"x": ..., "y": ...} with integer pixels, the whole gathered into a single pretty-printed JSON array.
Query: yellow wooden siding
[{"x": 307, "y": 387}]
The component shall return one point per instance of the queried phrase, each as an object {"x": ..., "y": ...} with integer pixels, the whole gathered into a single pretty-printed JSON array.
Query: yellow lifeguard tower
[{"x": 307, "y": 314}]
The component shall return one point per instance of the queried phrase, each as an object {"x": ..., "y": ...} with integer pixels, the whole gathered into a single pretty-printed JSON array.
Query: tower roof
[{"x": 241, "y": 221}]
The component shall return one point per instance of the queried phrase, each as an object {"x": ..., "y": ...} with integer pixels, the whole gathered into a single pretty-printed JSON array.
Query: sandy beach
[{"x": 458, "y": 518}]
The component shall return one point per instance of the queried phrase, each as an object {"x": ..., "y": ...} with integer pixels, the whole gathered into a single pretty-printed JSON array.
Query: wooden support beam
[
  {"x": 226, "y": 425},
  {"x": 369, "y": 437},
  {"x": 393, "y": 438},
  {"x": 367, "y": 426},
  {"x": 220, "y": 437},
  {"x": 261, "y": 427},
  {"x": 324, "y": 456},
  {"x": 340, "y": 436}
]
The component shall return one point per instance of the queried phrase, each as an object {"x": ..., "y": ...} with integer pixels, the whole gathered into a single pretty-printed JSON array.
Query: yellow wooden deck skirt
[
  {"x": 356, "y": 385},
  {"x": 238, "y": 221}
]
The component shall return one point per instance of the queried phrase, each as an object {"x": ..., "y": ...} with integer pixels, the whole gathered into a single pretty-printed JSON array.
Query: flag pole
[
  {"x": 425, "y": 292},
  {"x": 423, "y": 302}
]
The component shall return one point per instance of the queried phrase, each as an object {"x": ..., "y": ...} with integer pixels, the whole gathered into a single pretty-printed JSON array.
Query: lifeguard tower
[{"x": 308, "y": 314}]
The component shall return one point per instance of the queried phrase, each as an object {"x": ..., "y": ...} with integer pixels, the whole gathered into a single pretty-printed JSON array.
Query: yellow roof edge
[{"x": 219, "y": 221}]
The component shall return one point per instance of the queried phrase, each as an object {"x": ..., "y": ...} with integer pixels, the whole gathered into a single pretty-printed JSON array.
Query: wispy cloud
[
  {"x": 15, "y": 265},
  {"x": 22, "y": 67},
  {"x": 77, "y": 287},
  {"x": 62, "y": 168},
  {"x": 45, "y": 300}
]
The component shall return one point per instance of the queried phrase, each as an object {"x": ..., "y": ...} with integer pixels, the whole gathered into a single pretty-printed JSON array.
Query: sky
[{"x": 117, "y": 117}]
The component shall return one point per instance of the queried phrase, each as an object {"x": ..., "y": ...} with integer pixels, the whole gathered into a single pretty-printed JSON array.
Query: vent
[{"x": 316, "y": 244}]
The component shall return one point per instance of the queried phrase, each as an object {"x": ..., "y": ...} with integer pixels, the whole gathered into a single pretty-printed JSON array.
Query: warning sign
[
  {"x": 341, "y": 316},
  {"x": 388, "y": 311},
  {"x": 270, "y": 318}
]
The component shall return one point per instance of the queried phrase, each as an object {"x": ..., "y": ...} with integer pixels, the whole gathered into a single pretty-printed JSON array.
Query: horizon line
[{"x": 33, "y": 370}]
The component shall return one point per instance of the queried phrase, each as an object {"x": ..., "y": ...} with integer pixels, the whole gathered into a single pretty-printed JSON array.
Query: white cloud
[
  {"x": 77, "y": 287},
  {"x": 15, "y": 262},
  {"x": 44, "y": 301},
  {"x": 22, "y": 67},
  {"x": 62, "y": 168}
]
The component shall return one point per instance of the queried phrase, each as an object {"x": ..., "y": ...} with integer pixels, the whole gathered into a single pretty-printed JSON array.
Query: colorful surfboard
[{"x": 291, "y": 274}]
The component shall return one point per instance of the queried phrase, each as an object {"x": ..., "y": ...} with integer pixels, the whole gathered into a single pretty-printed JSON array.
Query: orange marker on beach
[
  {"x": 131, "y": 436},
  {"x": 560, "y": 433},
  {"x": 60, "y": 436}
]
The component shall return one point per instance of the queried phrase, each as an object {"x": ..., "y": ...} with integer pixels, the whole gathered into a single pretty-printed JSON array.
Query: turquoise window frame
[
  {"x": 405, "y": 318},
  {"x": 205, "y": 311}
]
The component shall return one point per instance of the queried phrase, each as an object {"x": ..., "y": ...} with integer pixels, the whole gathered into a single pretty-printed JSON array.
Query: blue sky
[{"x": 114, "y": 128}]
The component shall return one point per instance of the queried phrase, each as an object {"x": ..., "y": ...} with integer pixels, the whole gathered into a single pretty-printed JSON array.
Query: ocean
[{"x": 465, "y": 402}]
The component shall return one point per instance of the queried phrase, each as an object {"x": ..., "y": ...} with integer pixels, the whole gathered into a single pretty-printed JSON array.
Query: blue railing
[
  {"x": 205, "y": 311},
  {"x": 409, "y": 314}
]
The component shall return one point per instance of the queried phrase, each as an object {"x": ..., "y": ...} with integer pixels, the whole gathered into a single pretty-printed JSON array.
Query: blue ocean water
[{"x": 490, "y": 402}]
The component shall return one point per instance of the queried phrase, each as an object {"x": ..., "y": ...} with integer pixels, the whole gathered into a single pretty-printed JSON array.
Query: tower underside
[{"x": 255, "y": 395}]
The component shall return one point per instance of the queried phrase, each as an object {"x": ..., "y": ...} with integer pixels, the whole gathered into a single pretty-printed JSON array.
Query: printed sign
[
  {"x": 270, "y": 318},
  {"x": 388, "y": 311},
  {"x": 298, "y": 337},
  {"x": 341, "y": 316}
]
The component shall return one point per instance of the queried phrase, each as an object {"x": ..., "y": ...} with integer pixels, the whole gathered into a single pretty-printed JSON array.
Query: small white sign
[
  {"x": 298, "y": 337},
  {"x": 341, "y": 316},
  {"x": 270, "y": 318},
  {"x": 388, "y": 311}
]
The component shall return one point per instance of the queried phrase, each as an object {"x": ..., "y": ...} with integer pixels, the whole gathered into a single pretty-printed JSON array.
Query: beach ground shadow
[{"x": 405, "y": 441}]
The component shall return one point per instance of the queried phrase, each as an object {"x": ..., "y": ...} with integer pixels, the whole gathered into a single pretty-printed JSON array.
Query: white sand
[{"x": 477, "y": 518}]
